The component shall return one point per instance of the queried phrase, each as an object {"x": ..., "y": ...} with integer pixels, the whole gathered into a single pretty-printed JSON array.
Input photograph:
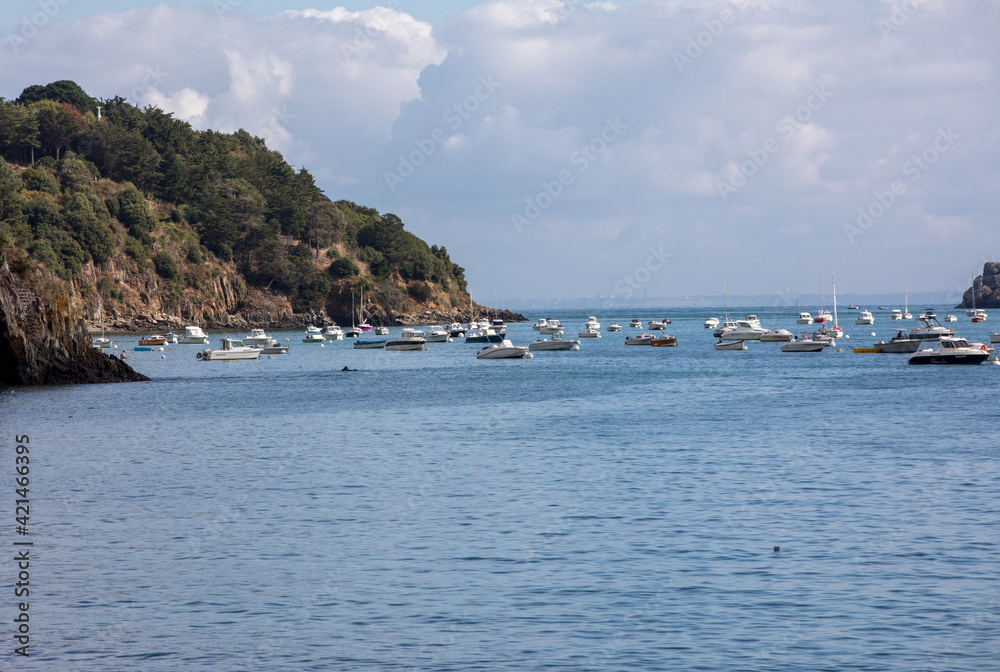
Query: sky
[{"x": 570, "y": 149}]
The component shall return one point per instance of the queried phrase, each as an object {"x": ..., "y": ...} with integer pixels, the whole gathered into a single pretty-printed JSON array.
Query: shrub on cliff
[{"x": 165, "y": 265}]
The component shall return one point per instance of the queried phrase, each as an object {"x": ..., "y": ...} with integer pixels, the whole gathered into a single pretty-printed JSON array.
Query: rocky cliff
[
  {"x": 986, "y": 288},
  {"x": 43, "y": 341}
]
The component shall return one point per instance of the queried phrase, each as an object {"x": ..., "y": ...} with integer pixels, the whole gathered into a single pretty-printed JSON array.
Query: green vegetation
[{"x": 140, "y": 186}]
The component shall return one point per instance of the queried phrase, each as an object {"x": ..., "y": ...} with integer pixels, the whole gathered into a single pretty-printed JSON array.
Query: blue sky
[{"x": 563, "y": 149}]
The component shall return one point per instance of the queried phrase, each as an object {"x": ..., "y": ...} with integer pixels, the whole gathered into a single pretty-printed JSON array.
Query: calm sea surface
[{"x": 608, "y": 509}]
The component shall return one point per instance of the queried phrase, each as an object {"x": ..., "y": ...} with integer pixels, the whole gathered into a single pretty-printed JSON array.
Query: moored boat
[
  {"x": 554, "y": 344},
  {"x": 504, "y": 350},
  {"x": 807, "y": 344},
  {"x": 193, "y": 336},
  {"x": 405, "y": 343},
  {"x": 730, "y": 345},
  {"x": 313, "y": 338},
  {"x": 590, "y": 333},
  {"x": 865, "y": 318},
  {"x": 369, "y": 344},
  {"x": 153, "y": 340},
  {"x": 711, "y": 323},
  {"x": 776, "y": 336},
  {"x": 256, "y": 337},
  {"x": 804, "y": 318},
  {"x": 644, "y": 338},
  {"x": 614, "y": 326},
  {"x": 951, "y": 350},
  {"x": 664, "y": 341},
  {"x": 229, "y": 351},
  {"x": 636, "y": 324}
]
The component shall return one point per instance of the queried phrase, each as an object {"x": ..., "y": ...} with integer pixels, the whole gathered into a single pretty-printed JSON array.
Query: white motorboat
[
  {"x": 614, "y": 326},
  {"x": 724, "y": 328},
  {"x": 332, "y": 332},
  {"x": 503, "y": 350},
  {"x": 776, "y": 336},
  {"x": 193, "y": 336},
  {"x": 635, "y": 324},
  {"x": 951, "y": 350},
  {"x": 275, "y": 348},
  {"x": 804, "y": 318},
  {"x": 711, "y": 323},
  {"x": 554, "y": 344},
  {"x": 590, "y": 333},
  {"x": 980, "y": 316},
  {"x": 482, "y": 324},
  {"x": 994, "y": 337},
  {"x": 171, "y": 337},
  {"x": 896, "y": 314},
  {"x": 257, "y": 337},
  {"x": 369, "y": 344},
  {"x": 865, "y": 318},
  {"x": 310, "y": 329},
  {"x": 483, "y": 336},
  {"x": 541, "y": 322},
  {"x": 436, "y": 334},
  {"x": 730, "y": 345},
  {"x": 230, "y": 350},
  {"x": 656, "y": 325},
  {"x": 552, "y": 328},
  {"x": 746, "y": 330},
  {"x": 900, "y": 345},
  {"x": 804, "y": 345},
  {"x": 498, "y": 326},
  {"x": 102, "y": 343},
  {"x": 406, "y": 343},
  {"x": 313, "y": 338},
  {"x": 930, "y": 329},
  {"x": 411, "y": 332},
  {"x": 645, "y": 338},
  {"x": 381, "y": 331},
  {"x": 950, "y": 318},
  {"x": 456, "y": 330}
]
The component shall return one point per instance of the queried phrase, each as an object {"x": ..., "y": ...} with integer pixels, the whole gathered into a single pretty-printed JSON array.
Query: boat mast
[
  {"x": 725, "y": 305},
  {"x": 834, "y": 274},
  {"x": 820, "y": 293}
]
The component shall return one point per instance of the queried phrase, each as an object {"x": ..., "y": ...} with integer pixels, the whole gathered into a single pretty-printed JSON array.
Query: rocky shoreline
[
  {"x": 45, "y": 343},
  {"x": 986, "y": 288},
  {"x": 162, "y": 322}
]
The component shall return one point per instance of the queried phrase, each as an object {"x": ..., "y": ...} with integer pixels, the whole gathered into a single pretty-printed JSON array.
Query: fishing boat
[
  {"x": 231, "y": 349},
  {"x": 980, "y": 316},
  {"x": 153, "y": 340},
  {"x": 193, "y": 336},
  {"x": 256, "y": 337},
  {"x": 504, "y": 350}
]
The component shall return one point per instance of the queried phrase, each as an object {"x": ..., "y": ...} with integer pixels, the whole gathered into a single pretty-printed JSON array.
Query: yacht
[
  {"x": 614, "y": 326},
  {"x": 505, "y": 350},
  {"x": 776, "y": 336},
  {"x": 896, "y": 314},
  {"x": 406, "y": 342},
  {"x": 554, "y": 344},
  {"x": 865, "y": 318},
  {"x": 645, "y": 338},
  {"x": 930, "y": 329},
  {"x": 592, "y": 323},
  {"x": 711, "y": 323},
  {"x": 746, "y": 330},
  {"x": 193, "y": 336},
  {"x": 230, "y": 350},
  {"x": 590, "y": 333},
  {"x": 636, "y": 324},
  {"x": 951, "y": 350},
  {"x": 436, "y": 334},
  {"x": 256, "y": 337},
  {"x": 804, "y": 318},
  {"x": 332, "y": 332}
]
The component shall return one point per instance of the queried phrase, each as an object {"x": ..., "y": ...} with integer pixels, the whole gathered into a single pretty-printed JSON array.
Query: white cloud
[{"x": 520, "y": 89}]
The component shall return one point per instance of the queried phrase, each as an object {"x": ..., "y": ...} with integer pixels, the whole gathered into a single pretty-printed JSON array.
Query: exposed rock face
[
  {"x": 46, "y": 344},
  {"x": 986, "y": 287}
]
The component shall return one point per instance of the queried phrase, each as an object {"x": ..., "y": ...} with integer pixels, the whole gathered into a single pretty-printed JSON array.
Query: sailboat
[
  {"x": 364, "y": 326},
  {"x": 835, "y": 331},
  {"x": 822, "y": 316},
  {"x": 726, "y": 325},
  {"x": 354, "y": 332},
  {"x": 907, "y": 315}
]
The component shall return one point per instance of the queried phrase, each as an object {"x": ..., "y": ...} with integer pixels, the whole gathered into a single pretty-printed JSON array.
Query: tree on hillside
[
  {"x": 59, "y": 124},
  {"x": 63, "y": 91},
  {"x": 18, "y": 131}
]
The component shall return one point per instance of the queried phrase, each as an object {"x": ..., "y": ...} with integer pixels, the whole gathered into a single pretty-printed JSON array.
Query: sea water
[{"x": 615, "y": 508}]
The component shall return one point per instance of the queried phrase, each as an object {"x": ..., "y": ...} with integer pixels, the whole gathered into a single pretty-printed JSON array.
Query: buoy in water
[
  {"x": 873, "y": 333},
  {"x": 576, "y": 348},
  {"x": 529, "y": 356}
]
